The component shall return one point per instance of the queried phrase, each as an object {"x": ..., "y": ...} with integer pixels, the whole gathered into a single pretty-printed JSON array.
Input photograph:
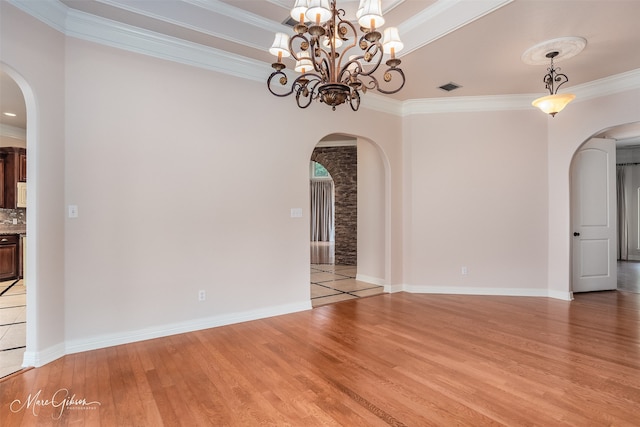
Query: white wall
[
  {"x": 184, "y": 181},
  {"x": 32, "y": 54},
  {"x": 476, "y": 198},
  {"x": 372, "y": 214},
  {"x": 579, "y": 123},
  {"x": 185, "y": 178}
]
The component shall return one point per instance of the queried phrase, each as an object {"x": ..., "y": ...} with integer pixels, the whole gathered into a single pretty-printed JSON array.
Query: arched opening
[
  {"x": 605, "y": 185},
  {"x": 353, "y": 263},
  {"x": 627, "y": 145},
  {"x": 13, "y": 222}
]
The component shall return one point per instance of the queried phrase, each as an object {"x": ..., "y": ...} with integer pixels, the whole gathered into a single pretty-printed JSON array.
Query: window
[{"x": 318, "y": 171}]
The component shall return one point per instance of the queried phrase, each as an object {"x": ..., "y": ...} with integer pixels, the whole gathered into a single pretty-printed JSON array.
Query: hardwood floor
[{"x": 394, "y": 359}]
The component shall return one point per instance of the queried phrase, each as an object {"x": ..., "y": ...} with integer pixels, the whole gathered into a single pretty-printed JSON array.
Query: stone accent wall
[
  {"x": 342, "y": 164},
  {"x": 8, "y": 215}
]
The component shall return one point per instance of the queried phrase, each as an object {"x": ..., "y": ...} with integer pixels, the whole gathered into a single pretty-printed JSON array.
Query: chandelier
[
  {"x": 554, "y": 102},
  {"x": 336, "y": 65}
]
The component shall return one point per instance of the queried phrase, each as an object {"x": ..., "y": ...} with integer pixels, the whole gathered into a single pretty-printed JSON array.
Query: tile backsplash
[{"x": 7, "y": 216}]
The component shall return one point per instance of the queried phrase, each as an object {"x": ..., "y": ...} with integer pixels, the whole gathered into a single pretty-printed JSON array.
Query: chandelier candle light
[{"x": 330, "y": 75}]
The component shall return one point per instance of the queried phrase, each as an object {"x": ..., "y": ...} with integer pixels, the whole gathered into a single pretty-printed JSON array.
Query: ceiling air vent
[
  {"x": 290, "y": 22},
  {"x": 450, "y": 86}
]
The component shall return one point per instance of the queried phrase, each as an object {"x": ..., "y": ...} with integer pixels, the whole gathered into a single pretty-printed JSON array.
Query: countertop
[{"x": 13, "y": 229}]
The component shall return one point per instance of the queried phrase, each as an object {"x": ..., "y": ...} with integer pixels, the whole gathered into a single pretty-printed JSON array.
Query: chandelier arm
[
  {"x": 283, "y": 82},
  {"x": 307, "y": 88},
  {"x": 300, "y": 82},
  {"x": 348, "y": 25},
  {"x": 388, "y": 77},
  {"x": 348, "y": 75},
  {"x": 369, "y": 83},
  {"x": 375, "y": 52},
  {"x": 321, "y": 62},
  {"x": 562, "y": 78},
  {"x": 354, "y": 100},
  {"x": 303, "y": 41},
  {"x": 307, "y": 96}
]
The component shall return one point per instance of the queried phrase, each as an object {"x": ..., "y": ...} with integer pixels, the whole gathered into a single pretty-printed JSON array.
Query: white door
[{"x": 593, "y": 207}]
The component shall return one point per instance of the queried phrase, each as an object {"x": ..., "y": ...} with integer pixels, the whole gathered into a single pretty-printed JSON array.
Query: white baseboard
[
  {"x": 393, "y": 288},
  {"x": 373, "y": 280},
  {"x": 563, "y": 295},
  {"x": 109, "y": 340},
  {"x": 41, "y": 358},
  {"x": 50, "y": 354},
  {"x": 517, "y": 292}
]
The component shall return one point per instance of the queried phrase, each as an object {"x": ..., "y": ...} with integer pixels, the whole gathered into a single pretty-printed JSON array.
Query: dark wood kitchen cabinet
[
  {"x": 13, "y": 165},
  {"x": 22, "y": 166},
  {"x": 9, "y": 256}
]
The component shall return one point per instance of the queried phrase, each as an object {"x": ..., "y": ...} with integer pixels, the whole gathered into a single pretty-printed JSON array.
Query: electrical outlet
[
  {"x": 464, "y": 271},
  {"x": 202, "y": 295}
]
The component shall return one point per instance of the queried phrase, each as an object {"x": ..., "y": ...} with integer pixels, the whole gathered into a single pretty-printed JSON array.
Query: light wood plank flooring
[{"x": 394, "y": 359}]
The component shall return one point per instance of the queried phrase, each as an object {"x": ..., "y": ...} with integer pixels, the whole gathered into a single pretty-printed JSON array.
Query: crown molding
[
  {"x": 239, "y": 15},
  {"x": 467, "y": 104},
  {"x": 52, "y": 13},
  {"x": 85, "y": 26},
  {"x": 607, "y": 86},
  {"x": 88, "y": 27},
  {"x": 384, "y": 104},
  {"x": 9, "y": 131},
  {"x": 236, "y": 22},
  {"x": 442, "y": 18},
  {"x": 121, "y": 36},
  {"x": 595, "y": 89}
]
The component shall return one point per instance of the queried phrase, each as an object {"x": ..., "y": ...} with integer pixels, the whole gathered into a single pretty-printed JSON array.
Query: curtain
[
  {"x": 321, "y": 210},
  {"x": 623, "y": 236}
]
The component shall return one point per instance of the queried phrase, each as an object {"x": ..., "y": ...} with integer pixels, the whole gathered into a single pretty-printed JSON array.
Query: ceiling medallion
[
  {"x": 561, "y": 48},
  {"x": 336, "y": 65}
]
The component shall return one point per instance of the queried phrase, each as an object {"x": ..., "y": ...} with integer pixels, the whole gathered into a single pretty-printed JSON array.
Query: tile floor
[
  {"x": 13, "y": 325},
  {"x": 333, "y": 283},
  {"x": 629, "y": 276}
]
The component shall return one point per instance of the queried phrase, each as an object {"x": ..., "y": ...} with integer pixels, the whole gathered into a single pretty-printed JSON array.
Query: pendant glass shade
[
  {"x": 552, "y": 104},
  {"x": 280, "y": 46},
  {"x": 371, "y": 14}
]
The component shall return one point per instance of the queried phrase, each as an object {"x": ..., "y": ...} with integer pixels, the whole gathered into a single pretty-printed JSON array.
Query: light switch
[
  {"x": 73, "y": 211},
  {"x": 296, "y": 212}
]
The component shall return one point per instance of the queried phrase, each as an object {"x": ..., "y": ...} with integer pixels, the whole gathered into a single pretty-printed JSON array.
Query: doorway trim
[
  {"x": 31, "y": 357},
  {"x": 386, "y": 221}
]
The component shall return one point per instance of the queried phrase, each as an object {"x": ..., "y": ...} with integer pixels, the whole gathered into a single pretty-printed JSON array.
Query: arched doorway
[
  {"x": 13, "y": 298},
  {"x": 605, "y": 179},
  {"x": 359, "y": 189}
]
